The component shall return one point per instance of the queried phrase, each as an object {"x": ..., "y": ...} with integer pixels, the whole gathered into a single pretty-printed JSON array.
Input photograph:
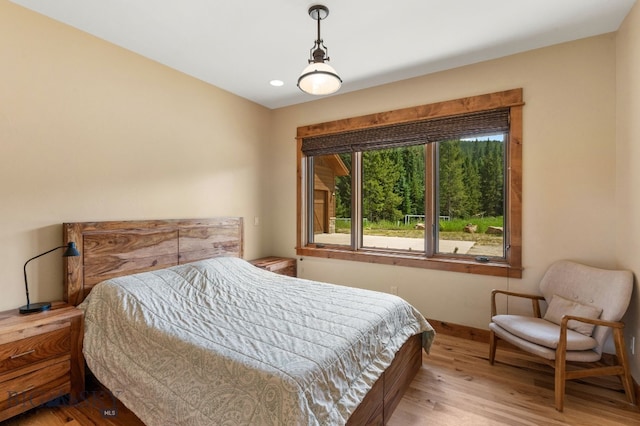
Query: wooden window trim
[{"x": 511, "y": 267}]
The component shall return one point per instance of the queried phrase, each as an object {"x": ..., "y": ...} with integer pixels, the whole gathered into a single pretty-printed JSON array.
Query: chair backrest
[{"x": 604, "y": 288}]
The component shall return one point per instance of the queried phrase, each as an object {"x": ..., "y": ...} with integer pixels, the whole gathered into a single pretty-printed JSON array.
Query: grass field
[{"x": 449, "y": 229}]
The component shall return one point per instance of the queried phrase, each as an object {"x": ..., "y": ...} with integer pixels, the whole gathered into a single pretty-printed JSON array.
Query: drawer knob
[{"x": 22, "y": 354}]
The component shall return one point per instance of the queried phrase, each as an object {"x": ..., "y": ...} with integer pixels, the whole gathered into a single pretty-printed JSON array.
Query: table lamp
[{"x": 71, "y": 250}]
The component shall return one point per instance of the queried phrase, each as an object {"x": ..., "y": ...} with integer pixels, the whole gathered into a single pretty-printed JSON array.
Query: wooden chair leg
[
  {"x": 492, "y": 346},
  {"x": 560, "y": 373},
  {"x": 625, "y": 377}
]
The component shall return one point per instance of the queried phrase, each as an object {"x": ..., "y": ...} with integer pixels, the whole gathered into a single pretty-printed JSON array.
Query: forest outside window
[{"x": 436, "y": 186}]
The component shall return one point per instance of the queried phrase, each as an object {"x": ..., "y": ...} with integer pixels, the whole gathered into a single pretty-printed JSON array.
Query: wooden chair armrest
[
  {"x": 596, "y": 321},
  {"x": 535, "y": 300},
  {"x": 562, "y": 342},
  {"x": 512, "y": 293}
]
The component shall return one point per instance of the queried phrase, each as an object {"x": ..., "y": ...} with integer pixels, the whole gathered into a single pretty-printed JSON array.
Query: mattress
[{"x": 222, "y": 342}]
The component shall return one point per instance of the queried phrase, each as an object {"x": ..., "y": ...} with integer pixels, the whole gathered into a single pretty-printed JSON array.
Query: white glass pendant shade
[{"x": 319, "y": 78}]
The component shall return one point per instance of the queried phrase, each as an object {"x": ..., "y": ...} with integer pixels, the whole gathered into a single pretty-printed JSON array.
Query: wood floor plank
[{"x": 455, "y": 386}]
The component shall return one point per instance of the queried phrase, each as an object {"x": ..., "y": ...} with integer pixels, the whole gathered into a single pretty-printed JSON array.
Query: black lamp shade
[{"x": 71, "y": 250}]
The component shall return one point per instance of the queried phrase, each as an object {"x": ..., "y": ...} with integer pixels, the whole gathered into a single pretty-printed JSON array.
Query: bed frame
[{"x": 116, "y": 248}]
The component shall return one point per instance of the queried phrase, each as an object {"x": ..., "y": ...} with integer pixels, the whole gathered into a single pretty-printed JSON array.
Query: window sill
[{"x": 469, "y": 266}]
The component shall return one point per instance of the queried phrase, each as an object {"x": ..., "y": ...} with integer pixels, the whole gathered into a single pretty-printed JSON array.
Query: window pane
[
  {"x": 331, "y": 213},
  {"x": 393, "y": 191},
  {"x": 470, "y": 196}
]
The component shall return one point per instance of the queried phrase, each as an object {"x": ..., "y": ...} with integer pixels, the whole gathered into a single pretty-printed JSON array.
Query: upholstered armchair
[{"x": 584, "y": 304}]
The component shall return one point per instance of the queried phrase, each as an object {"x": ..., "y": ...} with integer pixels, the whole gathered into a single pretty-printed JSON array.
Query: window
[{"x": 435, "y": 186}]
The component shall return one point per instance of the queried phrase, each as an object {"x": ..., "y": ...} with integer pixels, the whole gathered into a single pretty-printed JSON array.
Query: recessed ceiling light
[{"x": 276, "y": 83}]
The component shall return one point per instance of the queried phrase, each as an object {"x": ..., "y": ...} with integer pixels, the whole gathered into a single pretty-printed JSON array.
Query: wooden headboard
[{"x": 115, "y": 248}]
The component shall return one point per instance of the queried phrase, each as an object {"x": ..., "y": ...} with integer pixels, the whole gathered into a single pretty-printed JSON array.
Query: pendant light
[{"x": 319, "y": 78}]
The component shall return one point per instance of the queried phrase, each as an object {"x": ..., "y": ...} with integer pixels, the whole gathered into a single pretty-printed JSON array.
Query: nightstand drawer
[
  {"x": 34, "y": 349},
  {"x": 38, "y": 386}
]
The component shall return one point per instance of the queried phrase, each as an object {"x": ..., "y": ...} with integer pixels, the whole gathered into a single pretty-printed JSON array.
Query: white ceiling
[{"x": 242, "y": 45}]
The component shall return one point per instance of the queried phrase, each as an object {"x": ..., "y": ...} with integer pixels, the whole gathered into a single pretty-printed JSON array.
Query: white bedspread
[{"x": 223, "y": 342}]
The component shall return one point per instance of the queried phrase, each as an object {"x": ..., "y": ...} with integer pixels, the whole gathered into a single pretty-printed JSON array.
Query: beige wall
[
  {"x": 628, "y": 170},
  {"x": 89, "y": 131},
  {"x": 569, "y": 205}
]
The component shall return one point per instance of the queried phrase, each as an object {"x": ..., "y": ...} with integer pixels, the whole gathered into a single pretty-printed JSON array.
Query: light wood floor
[{"x": 456, "y": 386}]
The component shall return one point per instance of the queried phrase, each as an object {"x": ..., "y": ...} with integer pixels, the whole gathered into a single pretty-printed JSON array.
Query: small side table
[
  {"x": 40, "y": 358},
  {"x": 279, "y": 265}
]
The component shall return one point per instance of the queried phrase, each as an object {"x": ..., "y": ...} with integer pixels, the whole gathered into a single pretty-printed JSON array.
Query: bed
[{"x": 185, "y": 331}]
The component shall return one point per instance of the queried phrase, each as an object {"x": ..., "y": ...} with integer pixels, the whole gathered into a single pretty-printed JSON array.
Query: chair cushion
[
  {"x": 559, "y": 306},
  {"x": 591, "y": 355},
  {"x": 543, "y": 332}
]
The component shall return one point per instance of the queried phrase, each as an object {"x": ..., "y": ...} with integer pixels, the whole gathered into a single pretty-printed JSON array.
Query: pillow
[{"x": 560, "y": 306}]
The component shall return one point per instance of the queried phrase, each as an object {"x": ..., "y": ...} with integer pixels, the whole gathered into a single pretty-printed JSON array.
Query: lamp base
[{"x": 34, "y": 307}]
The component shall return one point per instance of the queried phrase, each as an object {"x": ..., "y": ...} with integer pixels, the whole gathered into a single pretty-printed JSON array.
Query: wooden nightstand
[
  {"x": 279, "y": 265},
  {"x": 40, "y": 358}
]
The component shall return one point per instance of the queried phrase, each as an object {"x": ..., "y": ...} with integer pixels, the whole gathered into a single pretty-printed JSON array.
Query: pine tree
[
  {"x": 343, "y": 190},
  {"x": 452, "y": 195},
  {"x": 415, "y": 171},
  {"x": 380, "y": 176},
  {"x": 491, "y": 179},
  {"x": 470, "y": 173},
  {"x": 472, "y": 185}
]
